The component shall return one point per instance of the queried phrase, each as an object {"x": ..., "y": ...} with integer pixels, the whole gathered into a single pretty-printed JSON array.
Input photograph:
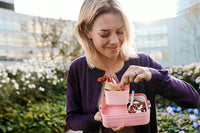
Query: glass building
[
  {"x": 16, "y": 40},
  {"x": 171, "y": 41},
  {"x": 152, "y": 38},
  {"x": 16, "y": 34},
  {"x": 165, "y": 41}
]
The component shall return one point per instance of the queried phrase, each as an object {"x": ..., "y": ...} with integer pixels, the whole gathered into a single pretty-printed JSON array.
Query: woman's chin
[{"x": 112, "y": 56}]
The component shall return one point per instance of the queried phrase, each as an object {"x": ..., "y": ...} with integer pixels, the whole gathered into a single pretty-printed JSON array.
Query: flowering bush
[
  {"x": 32, "y": 96},
  {"x": 33, "y": 80},
  {"x": 189, "y": 73}
]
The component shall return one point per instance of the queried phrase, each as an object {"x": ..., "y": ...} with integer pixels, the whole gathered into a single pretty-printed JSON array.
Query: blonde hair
[{"x": 90, "y": 10}]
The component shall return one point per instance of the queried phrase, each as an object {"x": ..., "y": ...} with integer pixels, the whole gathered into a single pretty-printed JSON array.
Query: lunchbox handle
[
  {"x": 100, "y": 108},
  {"x": 148, "y": 103}
]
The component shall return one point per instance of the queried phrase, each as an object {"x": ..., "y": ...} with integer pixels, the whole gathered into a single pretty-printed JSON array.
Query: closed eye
[
  {"x": 120, "y": 32},
  {"x": 105, "y": 35}
]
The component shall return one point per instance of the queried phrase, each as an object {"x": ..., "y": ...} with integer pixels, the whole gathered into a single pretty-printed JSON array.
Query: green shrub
[{"x": 43, "y": 117}]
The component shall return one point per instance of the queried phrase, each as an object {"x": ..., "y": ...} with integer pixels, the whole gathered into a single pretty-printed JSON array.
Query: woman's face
[{"x": 108, "y": 34}]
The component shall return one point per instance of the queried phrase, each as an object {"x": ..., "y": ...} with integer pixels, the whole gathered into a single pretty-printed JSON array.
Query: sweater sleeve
[
  {"x": 178, "y": 91},
  {"x": 76, "y": 118},
  {"x": 174, "y": 89}
]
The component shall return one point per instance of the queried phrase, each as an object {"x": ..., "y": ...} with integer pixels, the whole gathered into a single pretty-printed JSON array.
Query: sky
[{"x": 136, "y": 10}]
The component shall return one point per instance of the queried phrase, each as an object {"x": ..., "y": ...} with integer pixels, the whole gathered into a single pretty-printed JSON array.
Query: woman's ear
[{"x": 87, "y": 32}]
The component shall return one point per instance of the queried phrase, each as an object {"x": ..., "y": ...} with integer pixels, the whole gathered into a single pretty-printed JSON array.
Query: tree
[
  {"x": 192, "y": 27},
  {"x": 56, "y": 38}
]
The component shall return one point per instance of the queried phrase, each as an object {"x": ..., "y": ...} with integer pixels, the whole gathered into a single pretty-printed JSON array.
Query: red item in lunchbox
[
  {"x": 110, "y": 78},
  {"x": 137, "y": 107},
  {"x": 111, "y": 84}
]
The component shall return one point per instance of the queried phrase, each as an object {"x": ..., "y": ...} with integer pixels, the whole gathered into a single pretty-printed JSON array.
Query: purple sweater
[{"x": 83, "y": 91}]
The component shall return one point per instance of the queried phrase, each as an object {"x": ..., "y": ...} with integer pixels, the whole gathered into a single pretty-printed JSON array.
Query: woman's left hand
[
  {"x": 135, "y": 74},
  {"x": 98, "y": 117},
  {"x": 115, "y": 129}
]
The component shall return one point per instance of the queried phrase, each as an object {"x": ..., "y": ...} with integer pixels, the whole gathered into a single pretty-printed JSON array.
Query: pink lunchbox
[
  {"x": 117, "y": 115},
  {"x": 117, "y": 97}
]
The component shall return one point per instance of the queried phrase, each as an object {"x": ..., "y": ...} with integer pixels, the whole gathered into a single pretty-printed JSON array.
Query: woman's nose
[{"x": 114, "y": 39}]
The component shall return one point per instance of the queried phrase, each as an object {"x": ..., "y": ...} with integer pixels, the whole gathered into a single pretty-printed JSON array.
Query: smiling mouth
[{"x": 112, "y": 48}]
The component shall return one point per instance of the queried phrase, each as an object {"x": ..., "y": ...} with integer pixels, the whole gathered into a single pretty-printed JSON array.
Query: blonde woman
[{"x": 105, "y": 34}]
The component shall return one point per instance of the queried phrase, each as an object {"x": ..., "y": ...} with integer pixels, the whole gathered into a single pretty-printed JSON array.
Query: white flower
[
  {"x": 41, "y": 89},
  {"x": 13, "y": 81},
  {"x": 197, "y": 80},
  {"x": 5, "y": 74},
  {"x": 47, "y": 76},
  {"x": 55, "y": 77},
  {"x": 33, "y": 78},
  {"x": 28, "y": 75},
  {"x": 180, "y": 77},
  {"x": 3, "y": 81},
  {"x": 23, "y": 79},
  {"x": 16, "y": 86},
  {"x": 7, "y": 79},
  {"x": 39, "y": 75},
  {"x": 54, "y": 82},
  {"x": 31, "y": 86},
  {"x": 27, "y": 82},
  {"x": 61, "y": 79},
  {"x": 197, "y": 69},
  {"x": 18, "y": 92}
]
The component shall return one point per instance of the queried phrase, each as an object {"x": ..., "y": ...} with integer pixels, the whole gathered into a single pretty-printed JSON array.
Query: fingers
[
  {"x": 135, "y": 74},
  {"x": 115, "y": 129},
  {"x": 97, "y": 116},
  {"x": 139, "y": 77},
  {"x": 128, "y": 77},
  {"x": 124, "y": 80}
]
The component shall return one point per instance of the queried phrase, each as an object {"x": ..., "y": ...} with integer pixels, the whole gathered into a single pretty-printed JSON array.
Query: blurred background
[{"x": 169, "y": 31}]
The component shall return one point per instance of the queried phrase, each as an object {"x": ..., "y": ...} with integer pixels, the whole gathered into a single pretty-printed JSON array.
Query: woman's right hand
[{"x": 135, "y": 74}]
